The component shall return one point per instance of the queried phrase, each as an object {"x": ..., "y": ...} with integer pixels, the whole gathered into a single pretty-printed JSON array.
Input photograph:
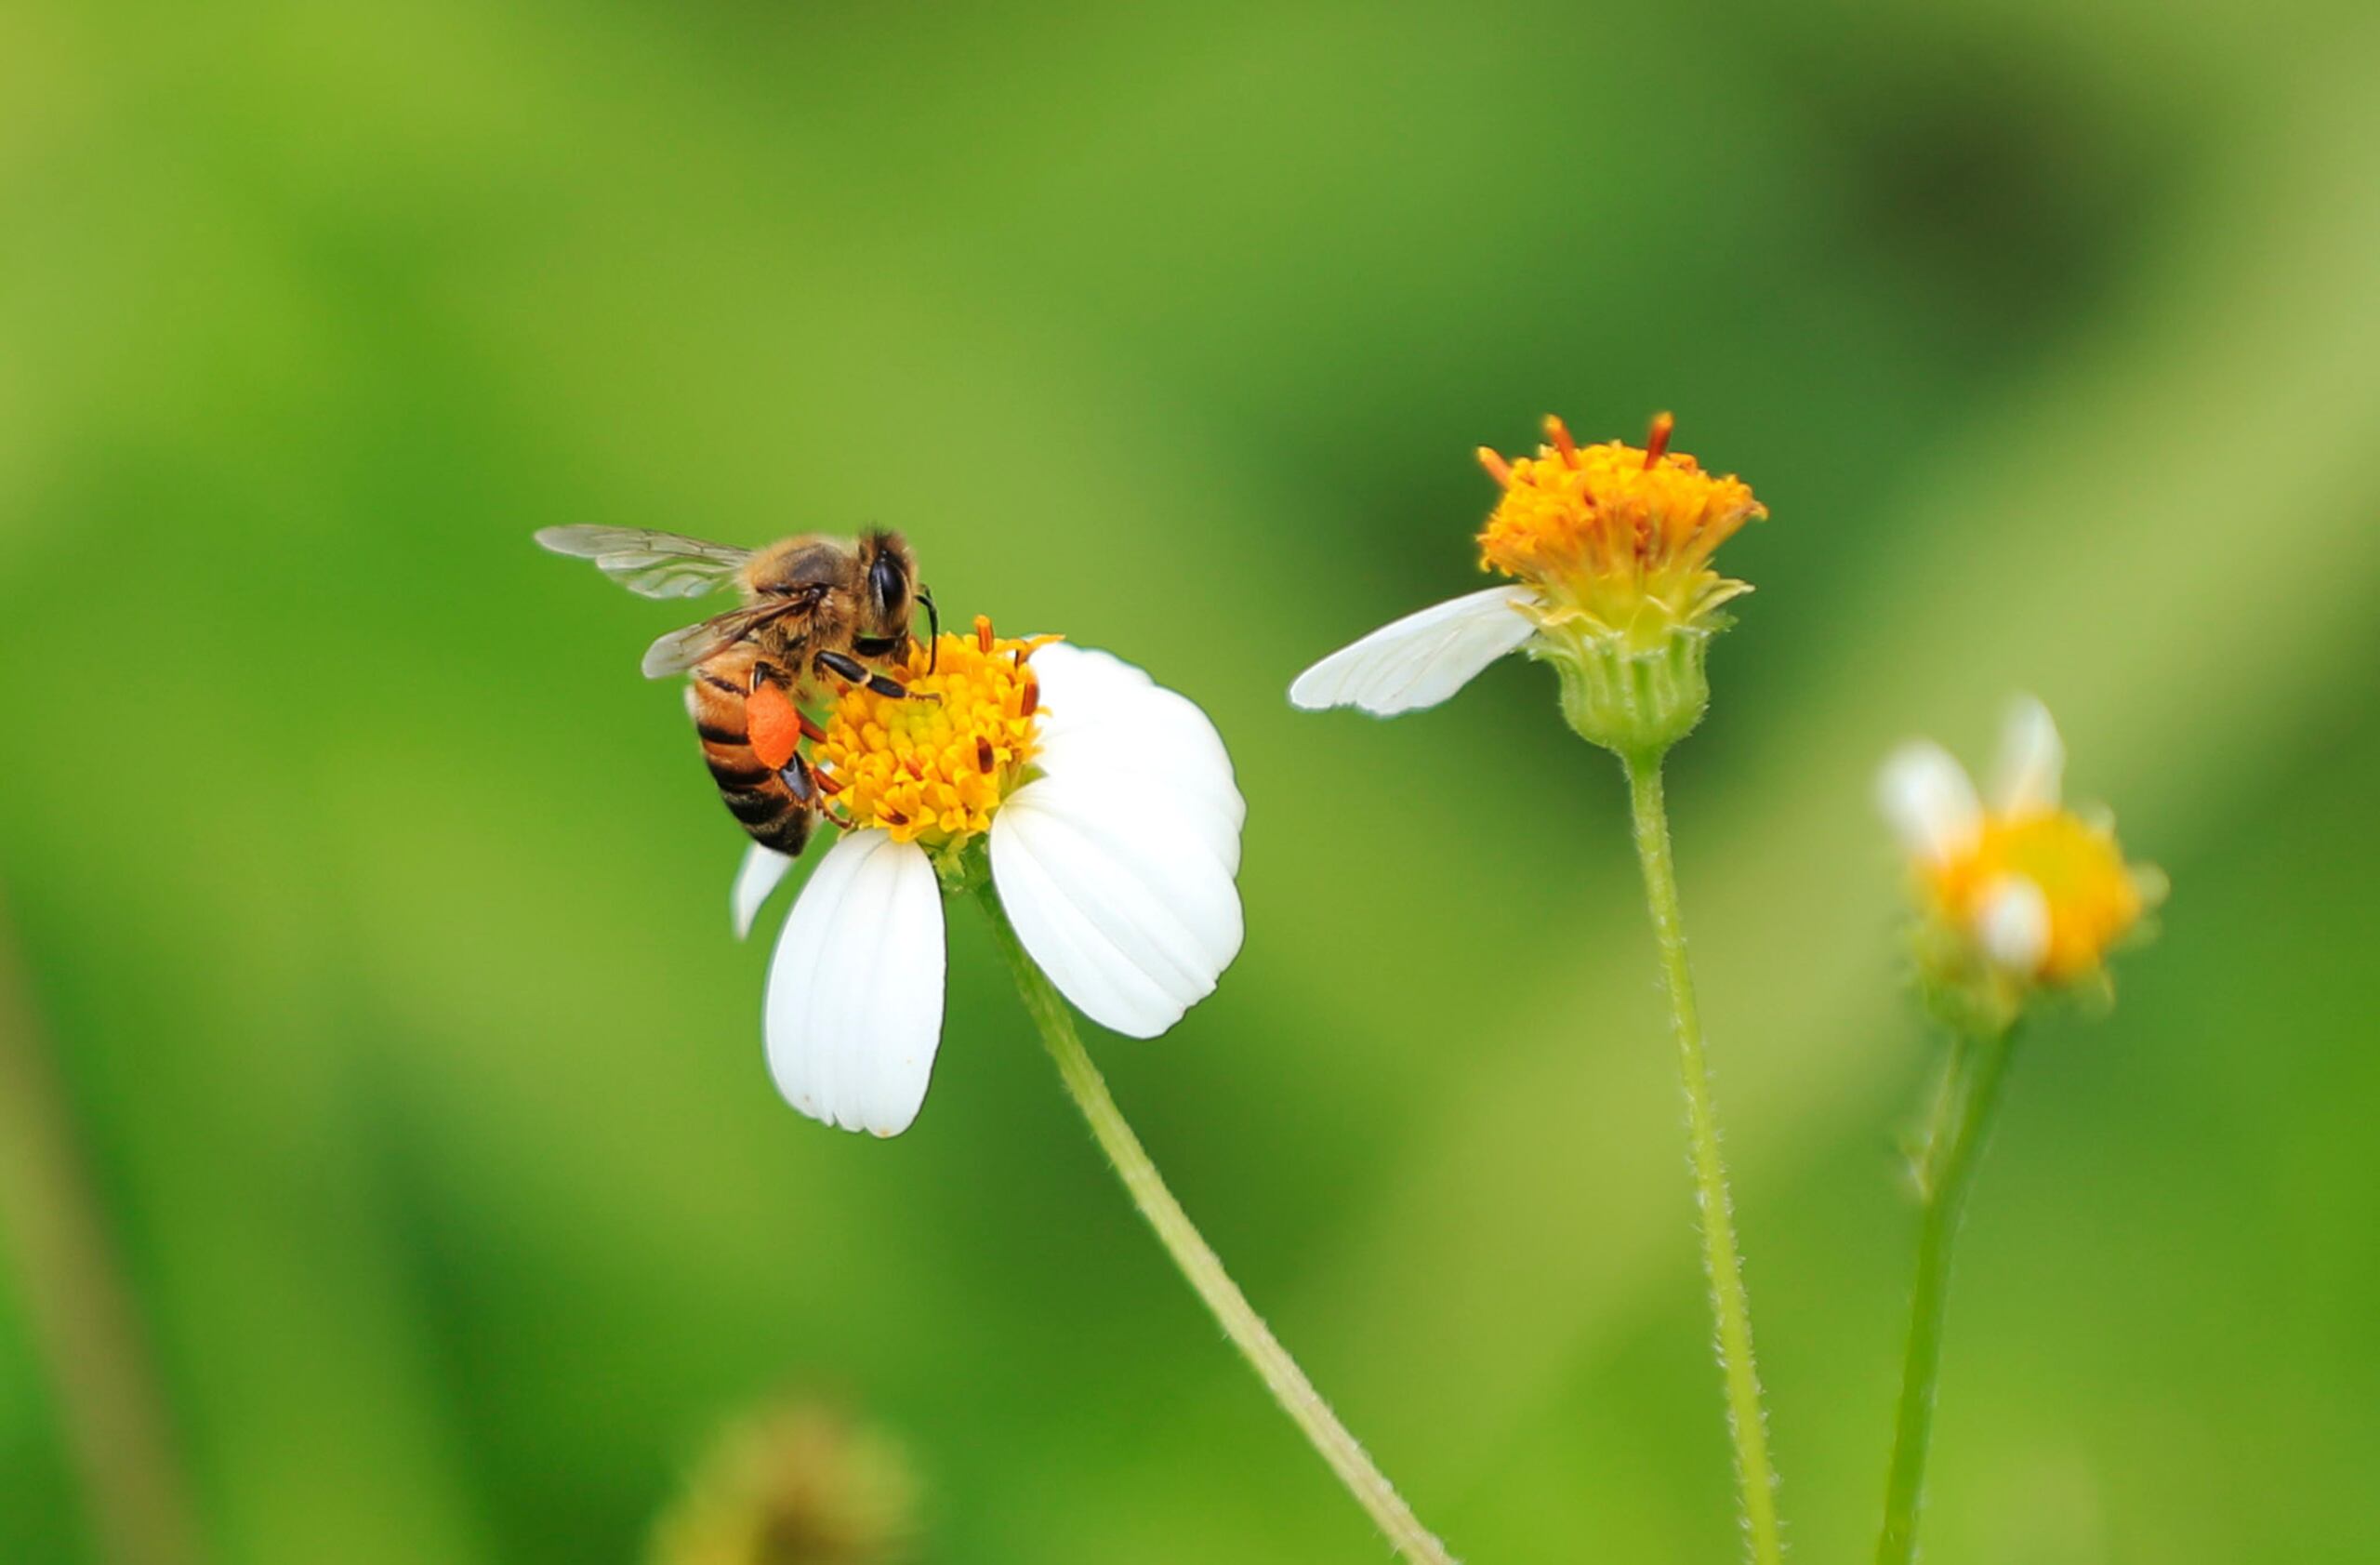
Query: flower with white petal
[
  {"x": 1609, "y": 551},
  {"x": 2017, "y": 891},
  {"x": 1103, "y": 807}
]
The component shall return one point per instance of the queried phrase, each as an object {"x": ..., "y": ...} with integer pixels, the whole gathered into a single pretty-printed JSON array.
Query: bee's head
[{"x": 889, "y": 589}]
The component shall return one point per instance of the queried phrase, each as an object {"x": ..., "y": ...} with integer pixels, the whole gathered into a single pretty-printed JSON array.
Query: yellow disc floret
[
  {"x": 1616, "y": 538},
  {"x": 931, "y": 766},
  {"x": 2093, "y": 898}
]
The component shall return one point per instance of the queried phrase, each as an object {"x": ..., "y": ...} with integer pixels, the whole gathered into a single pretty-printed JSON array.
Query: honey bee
[{"x": 813, "y": 608}]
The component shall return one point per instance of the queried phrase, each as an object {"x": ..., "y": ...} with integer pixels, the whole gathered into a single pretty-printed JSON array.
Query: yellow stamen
[
  {"x": 1559, "y": 433},
  {"x": 2094, "y": 898},
  {"x": 1657, "y": 439},
  {"x": 931, "y": 766},
  {"x": 1614, "y": 535}
]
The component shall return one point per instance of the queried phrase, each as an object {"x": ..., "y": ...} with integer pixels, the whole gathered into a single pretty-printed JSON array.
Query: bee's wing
[
  {"x": 682, "y": 649},
  {"x": 649, "y": 563}
]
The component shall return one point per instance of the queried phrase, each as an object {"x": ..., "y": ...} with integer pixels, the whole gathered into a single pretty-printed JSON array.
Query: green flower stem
[
  {"x": 1978, "y": 1070},
  {"x": 83, "y": 1324},
  {"x": 1198, "y": 1263},
  {"x": 1755, "y": 1476}
]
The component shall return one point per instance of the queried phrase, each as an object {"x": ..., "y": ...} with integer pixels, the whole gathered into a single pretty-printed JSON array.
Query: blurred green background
[{"x": 373, "y": 910}]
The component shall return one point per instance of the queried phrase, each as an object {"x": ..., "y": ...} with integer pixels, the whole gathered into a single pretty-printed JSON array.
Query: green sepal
[{"x": 1632, "y": 700}]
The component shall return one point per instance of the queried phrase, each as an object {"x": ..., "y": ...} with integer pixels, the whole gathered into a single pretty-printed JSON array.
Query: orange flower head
[{"x": 1616, "y": 538}]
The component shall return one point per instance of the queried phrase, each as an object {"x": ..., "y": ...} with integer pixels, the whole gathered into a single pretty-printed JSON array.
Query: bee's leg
[
  {"x": 796, "y": 774},
  {"x": 844, "y": 666},
  {"x": 825, "y": 808}
]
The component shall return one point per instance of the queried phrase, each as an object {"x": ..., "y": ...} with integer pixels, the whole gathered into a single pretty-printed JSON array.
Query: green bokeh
[{"x": 376, "y": 908}]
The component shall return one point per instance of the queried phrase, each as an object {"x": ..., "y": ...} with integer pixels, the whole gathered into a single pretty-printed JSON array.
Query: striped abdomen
[{"x": 756, "y": 792}]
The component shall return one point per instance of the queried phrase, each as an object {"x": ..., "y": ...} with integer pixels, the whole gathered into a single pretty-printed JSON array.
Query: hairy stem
[
  {"x": 1978, "y": 1071},
  {"x": 1198, "y": 1263},
  {"x": 1730, "y": 1308}
]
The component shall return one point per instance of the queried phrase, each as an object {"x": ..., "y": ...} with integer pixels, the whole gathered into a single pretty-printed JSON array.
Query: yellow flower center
[
  {"x": 931, "y": 766},
  {"x": 1615, "y": 538},
  {"x": 2092, "y": 895}
]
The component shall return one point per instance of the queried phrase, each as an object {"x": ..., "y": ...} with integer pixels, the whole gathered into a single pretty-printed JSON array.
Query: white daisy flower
[
  {"x": 2037, "y": 892},
  {"x": 1609, "y": 551},
  {"x": 1111, "y": 824}
]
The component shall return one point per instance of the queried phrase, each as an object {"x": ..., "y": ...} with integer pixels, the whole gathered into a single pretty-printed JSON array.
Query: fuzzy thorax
[{"x": 933, "y": 766}]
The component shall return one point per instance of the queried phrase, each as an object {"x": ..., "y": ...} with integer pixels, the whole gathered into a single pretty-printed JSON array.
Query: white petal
[
  {"x": 2025, "y": 778},
  {"x": 1421, "y": 659},
  {"x": 2012, "y": 924},
  {"x": 854, "y": 1001},
  {"x": 763, "y": 870},
  {"x": 1926, "y": 797},
  {"x": 1106, "y": 722},
  {"x": 1123, "y": 905}
]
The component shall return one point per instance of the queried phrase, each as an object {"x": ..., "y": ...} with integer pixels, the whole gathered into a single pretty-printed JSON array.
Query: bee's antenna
[{"x": 933, "y": 629}]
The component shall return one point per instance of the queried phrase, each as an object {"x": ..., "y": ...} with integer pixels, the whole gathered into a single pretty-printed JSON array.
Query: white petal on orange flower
[
  {"x": 854, "y": 1001},
  {"x": 763, "y": 869},
  {"x": 2026, "y": 776},
  {"x": 1119, "y": 896},
  {"x": 2012, "y": 924},
  {"x": 1107, "y": 723},
  {"x": 1930, "y": 802},
  {"x": 1421, "y": 659}
]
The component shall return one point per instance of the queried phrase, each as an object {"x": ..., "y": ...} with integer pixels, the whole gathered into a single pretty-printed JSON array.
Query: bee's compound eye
[{"x": 888, "y": 584}]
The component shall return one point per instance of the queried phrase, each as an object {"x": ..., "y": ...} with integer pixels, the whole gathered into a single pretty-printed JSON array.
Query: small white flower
[
  {"x": 2037, "y": 892},
  {"x": 1608, "y": 548},
  {"x": 1112, "y": 822}
]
